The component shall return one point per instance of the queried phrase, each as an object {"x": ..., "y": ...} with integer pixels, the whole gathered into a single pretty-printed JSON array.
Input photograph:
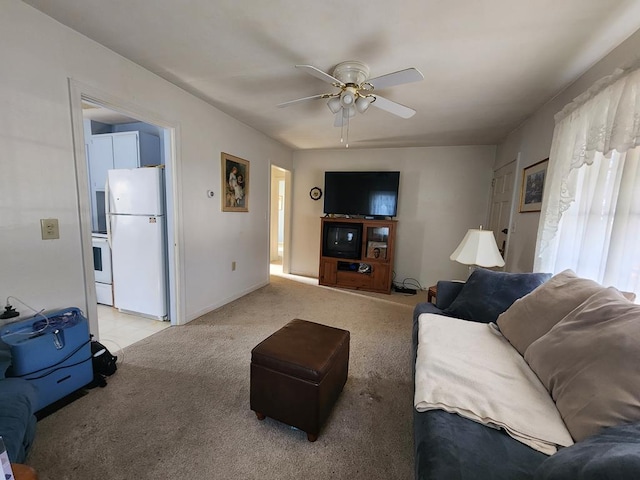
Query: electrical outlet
[
  {"x": 233, "y": 266},
  {"x": 49, "y": 228}
]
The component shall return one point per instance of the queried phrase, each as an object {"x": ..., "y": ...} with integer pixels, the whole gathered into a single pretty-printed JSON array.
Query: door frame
[
  {"x": 514, "y": 191},
  {"x": 176, "y": 295},
  {"x": 286, "y": 244}
]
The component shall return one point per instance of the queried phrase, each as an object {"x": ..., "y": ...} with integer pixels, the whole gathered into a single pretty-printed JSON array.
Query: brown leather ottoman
[{"x": 298, "y": 373}]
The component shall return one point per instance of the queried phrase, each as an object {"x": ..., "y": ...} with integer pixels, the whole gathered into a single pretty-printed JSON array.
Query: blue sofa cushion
[
  {"x": 447, "y": 292},
  {"x": 614, "y": 453},
  {"x": 18, "y": 398},
  {"x": 487, "y": 293},
  {"x": 449, "y": 447},
  {"x": 5, "y": 358}
]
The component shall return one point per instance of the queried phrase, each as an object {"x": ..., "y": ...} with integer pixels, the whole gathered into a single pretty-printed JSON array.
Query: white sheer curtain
[{"x": 590, "y": 218}]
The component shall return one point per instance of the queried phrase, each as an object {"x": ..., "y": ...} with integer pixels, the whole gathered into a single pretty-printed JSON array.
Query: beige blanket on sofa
[{"x": 470, "y": 369}]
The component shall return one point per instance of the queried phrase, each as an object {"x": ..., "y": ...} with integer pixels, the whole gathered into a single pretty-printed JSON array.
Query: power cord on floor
[
  {"x": 409, "y": 286},
  {"x": 120, "y": 349}
]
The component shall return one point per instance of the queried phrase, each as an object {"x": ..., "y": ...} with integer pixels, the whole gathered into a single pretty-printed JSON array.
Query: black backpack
[{"x": 104, "y": 364}]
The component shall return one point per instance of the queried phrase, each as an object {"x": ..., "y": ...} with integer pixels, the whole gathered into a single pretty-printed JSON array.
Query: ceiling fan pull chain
[
  {"x": 344, "y": 132},
  {"x": 347, "y": 139}
]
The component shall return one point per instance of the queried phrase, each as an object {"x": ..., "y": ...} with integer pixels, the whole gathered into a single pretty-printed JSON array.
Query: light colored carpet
[{"x": 179, "y": 405}]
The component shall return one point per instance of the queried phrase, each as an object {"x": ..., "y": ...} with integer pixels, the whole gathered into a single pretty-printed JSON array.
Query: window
[{"x": 590, "y": 219}]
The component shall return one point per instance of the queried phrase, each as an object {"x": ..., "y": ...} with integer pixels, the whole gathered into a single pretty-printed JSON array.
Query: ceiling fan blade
[
  {"x": 393, "y": 107},
  {"x": 316, "y": 72},
  {"x": 313, "y": 97},
  {"x": 407, "y": 75}
]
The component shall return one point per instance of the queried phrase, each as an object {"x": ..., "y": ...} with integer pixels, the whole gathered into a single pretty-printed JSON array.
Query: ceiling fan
[{"x": 357, "y": 90}]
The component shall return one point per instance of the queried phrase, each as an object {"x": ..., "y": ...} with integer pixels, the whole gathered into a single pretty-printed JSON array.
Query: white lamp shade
[{"x": 478, "y": 247}]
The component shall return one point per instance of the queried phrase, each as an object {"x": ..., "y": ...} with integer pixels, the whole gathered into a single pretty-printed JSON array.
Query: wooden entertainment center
[{"x": 368, "y": 266}]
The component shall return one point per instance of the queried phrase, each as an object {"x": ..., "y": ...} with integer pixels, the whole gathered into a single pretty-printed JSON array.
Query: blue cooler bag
[{"x": 52, "y": 350}]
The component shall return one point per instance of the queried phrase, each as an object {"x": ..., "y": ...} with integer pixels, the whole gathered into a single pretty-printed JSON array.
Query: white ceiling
[{"x": 488, "y": 64}]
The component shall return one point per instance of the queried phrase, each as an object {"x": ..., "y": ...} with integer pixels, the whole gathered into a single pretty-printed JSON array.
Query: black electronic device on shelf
[{"x": 342, "y": 240}]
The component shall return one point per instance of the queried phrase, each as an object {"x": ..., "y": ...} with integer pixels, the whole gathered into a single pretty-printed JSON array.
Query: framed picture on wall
[
  {"x": 235, "y": 184},
  {"x": 533, "y": 178}
]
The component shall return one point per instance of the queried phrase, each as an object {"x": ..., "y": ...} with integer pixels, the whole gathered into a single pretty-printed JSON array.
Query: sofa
[
  {"x": 563, "y": 332},
  {"x": 18, "y": 400}
]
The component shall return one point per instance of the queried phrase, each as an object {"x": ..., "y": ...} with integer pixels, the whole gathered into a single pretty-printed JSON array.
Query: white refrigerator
[{"x": 136, "y": 230}]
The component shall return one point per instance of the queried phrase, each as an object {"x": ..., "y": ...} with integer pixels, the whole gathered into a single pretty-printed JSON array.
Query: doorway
[
  {"x": 114, "y": 141},
  {"x": 97, "y": 116},
  {"x": 503, "y": 188},
  {"x": 279, "y": 255}
]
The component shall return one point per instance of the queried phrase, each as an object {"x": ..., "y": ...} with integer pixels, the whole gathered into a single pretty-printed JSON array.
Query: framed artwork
[
  {"x": 533, "y": 178},
  {"x": 235, "y": 183}
]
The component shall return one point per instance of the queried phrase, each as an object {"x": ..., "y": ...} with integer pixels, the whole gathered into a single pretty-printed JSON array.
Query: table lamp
[{"x": 478, "y": 248}]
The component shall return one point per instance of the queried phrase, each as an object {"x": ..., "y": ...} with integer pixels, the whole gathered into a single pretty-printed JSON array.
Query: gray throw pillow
[
  {"x": 487, "y": 293},
  {"x": 589, "y": 363},
  {"x": 533, "y": 315}
]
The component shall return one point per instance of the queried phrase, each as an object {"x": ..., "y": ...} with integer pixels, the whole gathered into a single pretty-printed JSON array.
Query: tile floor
[{"x": 119, "y": 330}]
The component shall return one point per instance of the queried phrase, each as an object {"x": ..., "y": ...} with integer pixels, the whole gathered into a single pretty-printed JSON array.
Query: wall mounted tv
[{"x": 370, "y": 194}]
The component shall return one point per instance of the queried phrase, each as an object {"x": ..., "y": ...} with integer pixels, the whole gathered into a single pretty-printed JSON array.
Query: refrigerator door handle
[{"x": 107, "y": 211}]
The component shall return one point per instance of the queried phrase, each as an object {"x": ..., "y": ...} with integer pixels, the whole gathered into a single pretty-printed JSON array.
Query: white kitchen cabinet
[
  {"x": 109, "y": 151},
  {"x": 100, "y": 160},
  {"x": 126, "y": 151}
]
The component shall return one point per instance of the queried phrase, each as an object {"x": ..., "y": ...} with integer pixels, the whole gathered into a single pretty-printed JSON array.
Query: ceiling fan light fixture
[
  {"x": 356, "y": 92},
  {"x": 351, "y": 72},
  {"x": 347, "y": 98},
  {"x": 334, "y": 104},
  {"x": 362, "y": 104}
]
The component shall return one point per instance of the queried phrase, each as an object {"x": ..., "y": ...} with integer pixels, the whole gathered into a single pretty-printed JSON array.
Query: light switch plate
[{"x": 49, "y": 228}]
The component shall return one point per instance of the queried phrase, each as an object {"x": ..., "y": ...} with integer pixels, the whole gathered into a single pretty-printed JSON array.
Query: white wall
[
  {"x": 443, "y": 192},
  {"x": 37, "y": 179},
  {"x": 533, "y": 141}
]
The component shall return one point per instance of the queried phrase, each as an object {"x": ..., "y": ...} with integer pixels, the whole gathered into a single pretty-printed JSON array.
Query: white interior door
[{"x": 501, "y": 204}]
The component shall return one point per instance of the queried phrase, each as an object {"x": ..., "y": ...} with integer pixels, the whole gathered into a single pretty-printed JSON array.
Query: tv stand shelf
[{"x": 371, "y": 268}]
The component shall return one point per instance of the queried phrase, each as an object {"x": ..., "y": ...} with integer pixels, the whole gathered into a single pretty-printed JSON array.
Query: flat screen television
[
  {"x": 370, "y": 194},
  {"x": 342, "y": 240}
]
